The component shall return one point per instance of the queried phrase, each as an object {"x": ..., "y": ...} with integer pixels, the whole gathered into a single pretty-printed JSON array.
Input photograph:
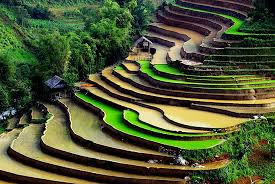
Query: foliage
[
  {"x": 53, "y": 52},
  {"x": 254, "y": 42},
  {"x": 39, "y": 12},
  {"x": 142, "y": 15},
  {"x": 4, "y": 97},
  {"x": 63, "y": 38},
  {"x": 2, "y": 128},
  {"x": 238, "y": 147},
  {"x": 260, "y": 21}
]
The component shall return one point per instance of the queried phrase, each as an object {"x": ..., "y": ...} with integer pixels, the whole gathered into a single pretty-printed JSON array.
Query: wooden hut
[
  {"x": 56, "y": 88},
  {"x": 143, "y": 44}
]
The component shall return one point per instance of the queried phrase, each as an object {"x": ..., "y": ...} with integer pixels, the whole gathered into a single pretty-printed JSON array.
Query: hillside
[{"x": 137, "y": 92}]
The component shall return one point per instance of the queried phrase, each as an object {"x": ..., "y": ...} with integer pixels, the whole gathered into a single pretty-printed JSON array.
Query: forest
[{"x": 71, "y": 39}]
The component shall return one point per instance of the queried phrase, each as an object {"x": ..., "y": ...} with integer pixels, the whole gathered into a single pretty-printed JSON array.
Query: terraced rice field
[{"x": 130, "y": 122}]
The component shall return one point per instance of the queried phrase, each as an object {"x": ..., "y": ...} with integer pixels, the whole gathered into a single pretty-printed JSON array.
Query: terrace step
[
  {"x": 145, "y": 112},
  {"x": 213, "y": 8},
  {"x": 36, "y": 114},
  {"x": 148, "y": 74},
  {"x": 81, "y": 132},
  {"x": 179, "y": 119},
  {"x": 160, "y": 27},
  {"x": 172, "y": 95},
  {"x": 156, "y": 28},
  {"x": 244, "y": 112},
  {"x": 217, "y": 72},
  {"x": 183, "y": 16},
  {"x": 108, "y": 111},
  {"x": 183, "y": 98},
  {"x": 194, "y": 118},
  {"x": 248, "y": 51},
  {"x": 248, "y": 2},
  {"x": 174, "y": 51},
  {"x": 160, "y": 55},
  {"x": 250, "y": 58},
  {"x": 206, "y": 31},
  {"x": 57, "y": 141},
  {"x": 224, "y": 4},
  {"x": 174, "y": 73},
  {"x": 130, "y": 67},
  {"x": 225, "y": 81},
  {"x": 24, "y": 120},
  {"x": 30, "y": 152},
  {"x": 15, "y": 171},
  {"x": 12, "y": 123},
  {"x": 241, "y": 64},
  {"x": 190, "y": 45},
  {"x": 209, "y": 16}
]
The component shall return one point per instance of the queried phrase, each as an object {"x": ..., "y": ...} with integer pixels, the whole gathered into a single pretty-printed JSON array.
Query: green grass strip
[
  {"x": 119, "y": 67},
  {"x": 145, "y": 68},
  {"x": 133, "y": 118},
  {"x": 114, "y": 118},
  {"x": 234, "y": 29},
  {"x": 174, "y": 71}
]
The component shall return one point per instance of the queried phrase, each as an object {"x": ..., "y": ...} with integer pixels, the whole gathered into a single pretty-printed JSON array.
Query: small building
[
  {"x": 143, "y": 44},
  {"x": 56, "y": 88}
]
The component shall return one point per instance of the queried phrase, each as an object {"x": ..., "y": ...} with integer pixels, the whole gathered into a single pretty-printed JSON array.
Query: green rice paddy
[
  {"x": 145, "y": 68},
  {"x": 114, "y": 118},
  {"x": 175, "y": 71}
]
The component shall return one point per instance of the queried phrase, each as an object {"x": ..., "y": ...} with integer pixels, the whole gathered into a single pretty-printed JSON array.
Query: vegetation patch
[
  {"x": 240, "y": 147},
  {"x": 2, "y": 128}
]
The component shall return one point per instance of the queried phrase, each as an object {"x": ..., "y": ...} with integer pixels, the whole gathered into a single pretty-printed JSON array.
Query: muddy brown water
[
  {"x": 131, "y": 66},
  {"x": 160, "y": 56},
  {"x": 174, "y": 52},
  {"x": 191, "y": 117},
  {"x": 31, "y": 149},
  {"x": 84, "y": 122},
  {"x": 36, "y": 113},
  {"x": 58, "y": 137},
  {"x": 10, "y": 165}
]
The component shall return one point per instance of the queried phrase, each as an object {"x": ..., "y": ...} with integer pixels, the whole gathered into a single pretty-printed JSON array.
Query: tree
[
  {"x": 20, "y": 93},
  {"x": 142, "y": 16},
  {"x": 23, "y": 15},
  {"x": 7, "y": 69},
  {"x": 4, "y": 97},
  {"x": 54, "y": 54},
  {"x": 111, "y": 10}
]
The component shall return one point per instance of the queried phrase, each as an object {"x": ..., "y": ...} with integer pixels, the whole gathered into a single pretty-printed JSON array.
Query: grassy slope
[
  {"x": 114, "y": 117},
  {"x": 10, "y": 43},
  {"x": 59, "y": 20}
]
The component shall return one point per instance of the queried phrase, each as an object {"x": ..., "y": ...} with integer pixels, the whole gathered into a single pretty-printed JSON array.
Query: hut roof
[
  {"x": 55, "y": 82},
  {"x": 141, "y": 39}
]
